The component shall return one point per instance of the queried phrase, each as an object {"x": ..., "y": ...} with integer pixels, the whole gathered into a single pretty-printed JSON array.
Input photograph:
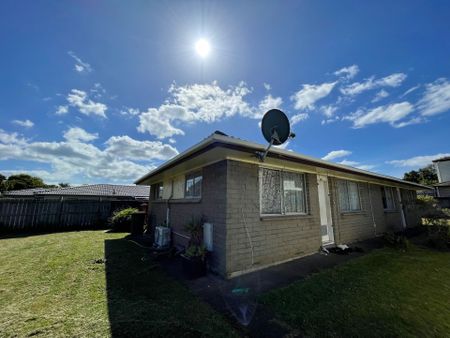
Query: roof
[
  {"x": 219, "y": 139},
  {"x": 442, "y": 184},
  {"x": 99, "y": 190},
  {"x": 442, "y": 159}
]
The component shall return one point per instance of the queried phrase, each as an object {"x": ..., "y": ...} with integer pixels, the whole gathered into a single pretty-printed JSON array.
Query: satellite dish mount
[{"x": 276, "y": 130}]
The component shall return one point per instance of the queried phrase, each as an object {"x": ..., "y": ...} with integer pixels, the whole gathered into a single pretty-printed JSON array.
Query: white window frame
[
  {"x": 346, "y": 182},
  {"x": 193, "y": 176},
  {"x": 283, "y": 212},
  {"x": 394, "y": 204}
]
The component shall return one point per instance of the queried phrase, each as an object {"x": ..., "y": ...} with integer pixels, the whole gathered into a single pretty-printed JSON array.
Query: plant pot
[{"x": 194, "y": 266}]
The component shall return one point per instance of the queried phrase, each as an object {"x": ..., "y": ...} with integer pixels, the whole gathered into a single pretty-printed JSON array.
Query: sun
[{"x": 202, "y": 47}]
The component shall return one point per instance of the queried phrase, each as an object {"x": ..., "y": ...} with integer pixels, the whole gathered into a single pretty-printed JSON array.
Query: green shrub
[
  {"x": 121, "y": 219},
  {"x": 398, "y": 241},
  {"x": 439, "y": 236}
]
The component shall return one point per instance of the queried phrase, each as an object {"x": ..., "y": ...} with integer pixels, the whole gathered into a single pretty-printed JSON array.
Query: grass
[
  {"x": 385, "y": 293},
  {"x": 94, "y": 284}
]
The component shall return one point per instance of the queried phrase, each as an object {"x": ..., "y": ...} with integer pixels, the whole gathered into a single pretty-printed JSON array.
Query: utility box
[
  {"x": 208, "y": 236},
  {"x": 162, "y": 237}
]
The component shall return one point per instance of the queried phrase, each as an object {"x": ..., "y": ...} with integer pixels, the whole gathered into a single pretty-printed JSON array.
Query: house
[
  {"x": 86, "y": 206},
  {"x": 442, "y": 189},
  {"x": 266, "y": 213}
]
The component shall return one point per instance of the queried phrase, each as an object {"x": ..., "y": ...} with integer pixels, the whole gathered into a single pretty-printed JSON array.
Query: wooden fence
[{"x": 17, "y": 214}]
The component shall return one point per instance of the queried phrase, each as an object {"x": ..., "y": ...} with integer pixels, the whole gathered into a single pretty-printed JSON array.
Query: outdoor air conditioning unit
[{"x": 162, "y": 237}]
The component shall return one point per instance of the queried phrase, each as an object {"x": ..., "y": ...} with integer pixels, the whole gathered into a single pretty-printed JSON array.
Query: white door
[{"x": 326, "y": 223}]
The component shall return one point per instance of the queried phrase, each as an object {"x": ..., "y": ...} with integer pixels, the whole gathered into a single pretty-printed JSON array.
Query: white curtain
[{"x": 293, "y": 189}]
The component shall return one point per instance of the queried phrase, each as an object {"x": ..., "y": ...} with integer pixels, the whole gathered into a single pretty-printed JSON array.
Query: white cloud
[
  {"x": 128, "y": 148},
  {"x": 380, "y": 95},
  {"x": 173, "y": 141},
  {"x": 328, "y": 110},
  {"x": 80, "y": 65},
  {"x": 122, "y": 160},
  {"x": 393, "y": 80},
  {"x": 10, "y": 138},
  {"x": 79, "y": 99},
  {"x": 357, "y": 165},
  {"x": 79, "y": 134},
  {"x": 306, "y": 97},
  {"x": 267, "y": 86},
  {"x": 410, "y": 90},
  {"x": 23, "y": 123},
  {"x": 196, "y": 103},
  {"x": 336, "y": 154},
  {"x": 61, "y": 110},
  {"x": 436, "y": 98},
  {"x": 157, "y": 122},
  {"x": 130, "y": 111},
  {"x": 347, "y": 72},
  {"x": 417, "y": 161},
  {"x": 269, "y": 102},
  {"x": 391, "y": 114},
  {"x": 298, "y": 118}
]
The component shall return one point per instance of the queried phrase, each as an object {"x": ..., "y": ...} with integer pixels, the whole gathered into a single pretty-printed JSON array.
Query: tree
[
  {"x": 2, "y": 183},
  {"x": 426, "y": 175},
  {"x": 64, "y": 185},
  {"x": 23, "y": 181}
]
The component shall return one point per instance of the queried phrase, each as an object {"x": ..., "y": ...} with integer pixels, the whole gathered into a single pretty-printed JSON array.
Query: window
[
  {"x": 387, "y": 193},
  {"x": 193, "y": 187},
  {"x": 349, "y": 196},
  {"x": 158, "y": 191},
  {"x": 282, "y": 192}
]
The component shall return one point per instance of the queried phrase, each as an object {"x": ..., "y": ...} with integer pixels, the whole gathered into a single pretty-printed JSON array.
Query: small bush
[
  {"x": 398, "y": 241},
  {"x": 121, "y": 219},
  {"x": 439, "y": 236}
]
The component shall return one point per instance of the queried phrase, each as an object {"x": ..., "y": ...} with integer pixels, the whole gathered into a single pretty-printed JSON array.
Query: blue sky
[{"x": 105, "y": 91}]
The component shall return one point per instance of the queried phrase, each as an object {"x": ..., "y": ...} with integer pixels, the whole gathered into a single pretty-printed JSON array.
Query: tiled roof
[{"x": 110, "y": 190}]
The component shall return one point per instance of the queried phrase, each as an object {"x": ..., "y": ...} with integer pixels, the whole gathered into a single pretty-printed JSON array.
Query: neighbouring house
[
  {"x": 265, "y": 213},
  {"x": 84, "y": 206},
  {"x": 442, "y": 189}
]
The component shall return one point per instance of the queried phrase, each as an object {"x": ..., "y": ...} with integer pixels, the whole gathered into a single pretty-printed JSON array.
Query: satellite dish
[{"x": 276, "y": 130}]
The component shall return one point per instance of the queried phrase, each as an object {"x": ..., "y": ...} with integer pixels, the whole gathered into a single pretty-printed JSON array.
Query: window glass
[
  {"x": 293, "y": 189},
  {"x": 159, "y": 189},
  {"x": 282, "y": 192},
  {"x": 348, "y": 192},
  {"x": 193, "y": 185},
  {"x": 388, "y": 198},
  {"x": 270, "y": 191}
]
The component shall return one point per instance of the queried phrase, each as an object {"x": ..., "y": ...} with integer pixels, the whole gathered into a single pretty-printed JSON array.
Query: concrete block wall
[
  {"x": 211, "y": 205},
  {"x": 352, "y": 226},
  {"x": 272, "y": 239}
]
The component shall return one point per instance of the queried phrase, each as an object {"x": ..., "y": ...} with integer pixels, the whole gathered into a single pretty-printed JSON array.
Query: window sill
[
  {"x": 349, "y": 213},
  {"x": 178, "y": 201},
  {"x": 284, "y": 217}
]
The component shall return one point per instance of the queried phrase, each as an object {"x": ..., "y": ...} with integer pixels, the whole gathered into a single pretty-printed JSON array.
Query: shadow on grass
[{"x": 144, "y": 302}]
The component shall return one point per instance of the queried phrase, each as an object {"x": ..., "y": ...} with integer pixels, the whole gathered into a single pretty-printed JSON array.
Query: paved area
[{"x": 237, "y": 297}]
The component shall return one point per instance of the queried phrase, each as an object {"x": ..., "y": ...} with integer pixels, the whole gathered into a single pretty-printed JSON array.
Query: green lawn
[
  {"x": 386, "y": 293},
  {"x": 60, "y": 285}
]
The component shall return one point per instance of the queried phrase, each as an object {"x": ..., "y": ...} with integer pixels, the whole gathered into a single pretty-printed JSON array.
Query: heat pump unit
[{"x": 162, "y": 237}]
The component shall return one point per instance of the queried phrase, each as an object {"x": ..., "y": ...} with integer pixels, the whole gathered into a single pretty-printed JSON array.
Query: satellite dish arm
[{"x": 261, "y": 155}]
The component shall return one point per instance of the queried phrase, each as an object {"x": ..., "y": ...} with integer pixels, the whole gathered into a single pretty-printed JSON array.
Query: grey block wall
[
  {"x": 272, "y": 239},
  {"x": 211, "y": 205},
  {"x": 352, "y": 226}
]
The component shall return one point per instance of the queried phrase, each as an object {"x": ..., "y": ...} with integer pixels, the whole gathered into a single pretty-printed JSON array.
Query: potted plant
[{"x": 194, "y": 257}]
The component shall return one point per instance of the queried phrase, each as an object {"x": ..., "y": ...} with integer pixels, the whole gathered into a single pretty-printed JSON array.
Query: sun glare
[{"x": 202, "y": 48}]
